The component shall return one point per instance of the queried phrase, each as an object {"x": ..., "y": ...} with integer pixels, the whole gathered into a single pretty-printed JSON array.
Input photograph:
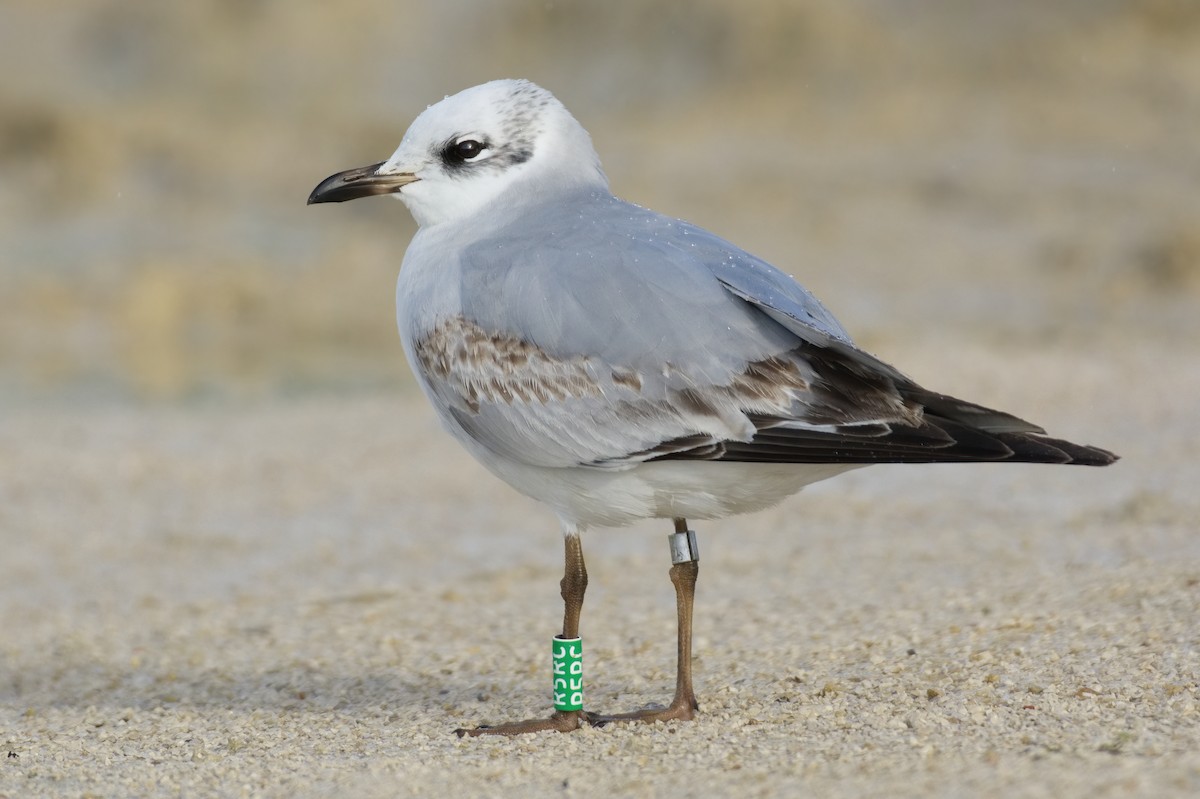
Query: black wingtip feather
[
  {"x": 937, "y": 441},
  {"x": 1070, "y": 453},
  {"x": 861, "y": 414}
]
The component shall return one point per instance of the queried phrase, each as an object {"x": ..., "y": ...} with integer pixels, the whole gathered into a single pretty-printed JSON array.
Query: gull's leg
[
  {"x": 572, "y": 587},
  {"x": 685, "y": 560}
]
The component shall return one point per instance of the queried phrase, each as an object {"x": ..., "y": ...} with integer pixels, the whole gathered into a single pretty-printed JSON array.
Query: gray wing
[{"x": 601, "y": 334}]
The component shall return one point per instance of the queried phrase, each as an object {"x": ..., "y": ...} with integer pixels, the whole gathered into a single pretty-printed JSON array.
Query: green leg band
[{"x": 567, "y": 659}]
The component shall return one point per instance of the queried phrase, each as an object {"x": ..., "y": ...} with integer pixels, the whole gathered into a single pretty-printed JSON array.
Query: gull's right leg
[{"x": 685, "y": 566}]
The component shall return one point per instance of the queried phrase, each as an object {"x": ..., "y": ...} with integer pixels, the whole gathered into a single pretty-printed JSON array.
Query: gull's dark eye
[
  {"x": 460, "y": 151},
  {"x": 468, "y": 149}
]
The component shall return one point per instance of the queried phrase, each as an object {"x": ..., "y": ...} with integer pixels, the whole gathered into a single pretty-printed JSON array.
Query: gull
[{"x": 617, "y": 364}]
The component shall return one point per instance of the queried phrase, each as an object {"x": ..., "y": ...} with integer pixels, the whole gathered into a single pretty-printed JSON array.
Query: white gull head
[{"x": 492, "y": 143}]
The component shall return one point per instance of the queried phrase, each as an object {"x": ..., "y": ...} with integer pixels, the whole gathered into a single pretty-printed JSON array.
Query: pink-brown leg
[
  {"x": 572, "y": 587},
  {"x": 684, "y": 570}
]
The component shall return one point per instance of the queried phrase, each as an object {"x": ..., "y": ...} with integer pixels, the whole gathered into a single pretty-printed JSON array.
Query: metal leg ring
[{"x": 683, "y": 547}]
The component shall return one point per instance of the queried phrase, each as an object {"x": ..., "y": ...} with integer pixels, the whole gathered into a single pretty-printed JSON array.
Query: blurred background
[
  {"x": 235, "y": 550},
  {"x": 1019, "y": 173}
]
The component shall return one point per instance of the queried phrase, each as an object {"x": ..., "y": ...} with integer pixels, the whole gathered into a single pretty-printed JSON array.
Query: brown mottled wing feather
[{"x": 809, "y": 404}]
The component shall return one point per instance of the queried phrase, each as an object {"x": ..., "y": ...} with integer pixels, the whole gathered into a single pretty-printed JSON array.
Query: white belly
[{"x": 659, "y": 489}]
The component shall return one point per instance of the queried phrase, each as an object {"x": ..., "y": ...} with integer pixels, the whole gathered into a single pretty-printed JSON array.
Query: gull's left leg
[
  {"x": 685, "y": 560},
  {"x": 572, "y": 587}
]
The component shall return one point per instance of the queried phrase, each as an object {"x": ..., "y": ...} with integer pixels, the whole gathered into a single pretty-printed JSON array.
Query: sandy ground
[{"x": 306, "y": 598}]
